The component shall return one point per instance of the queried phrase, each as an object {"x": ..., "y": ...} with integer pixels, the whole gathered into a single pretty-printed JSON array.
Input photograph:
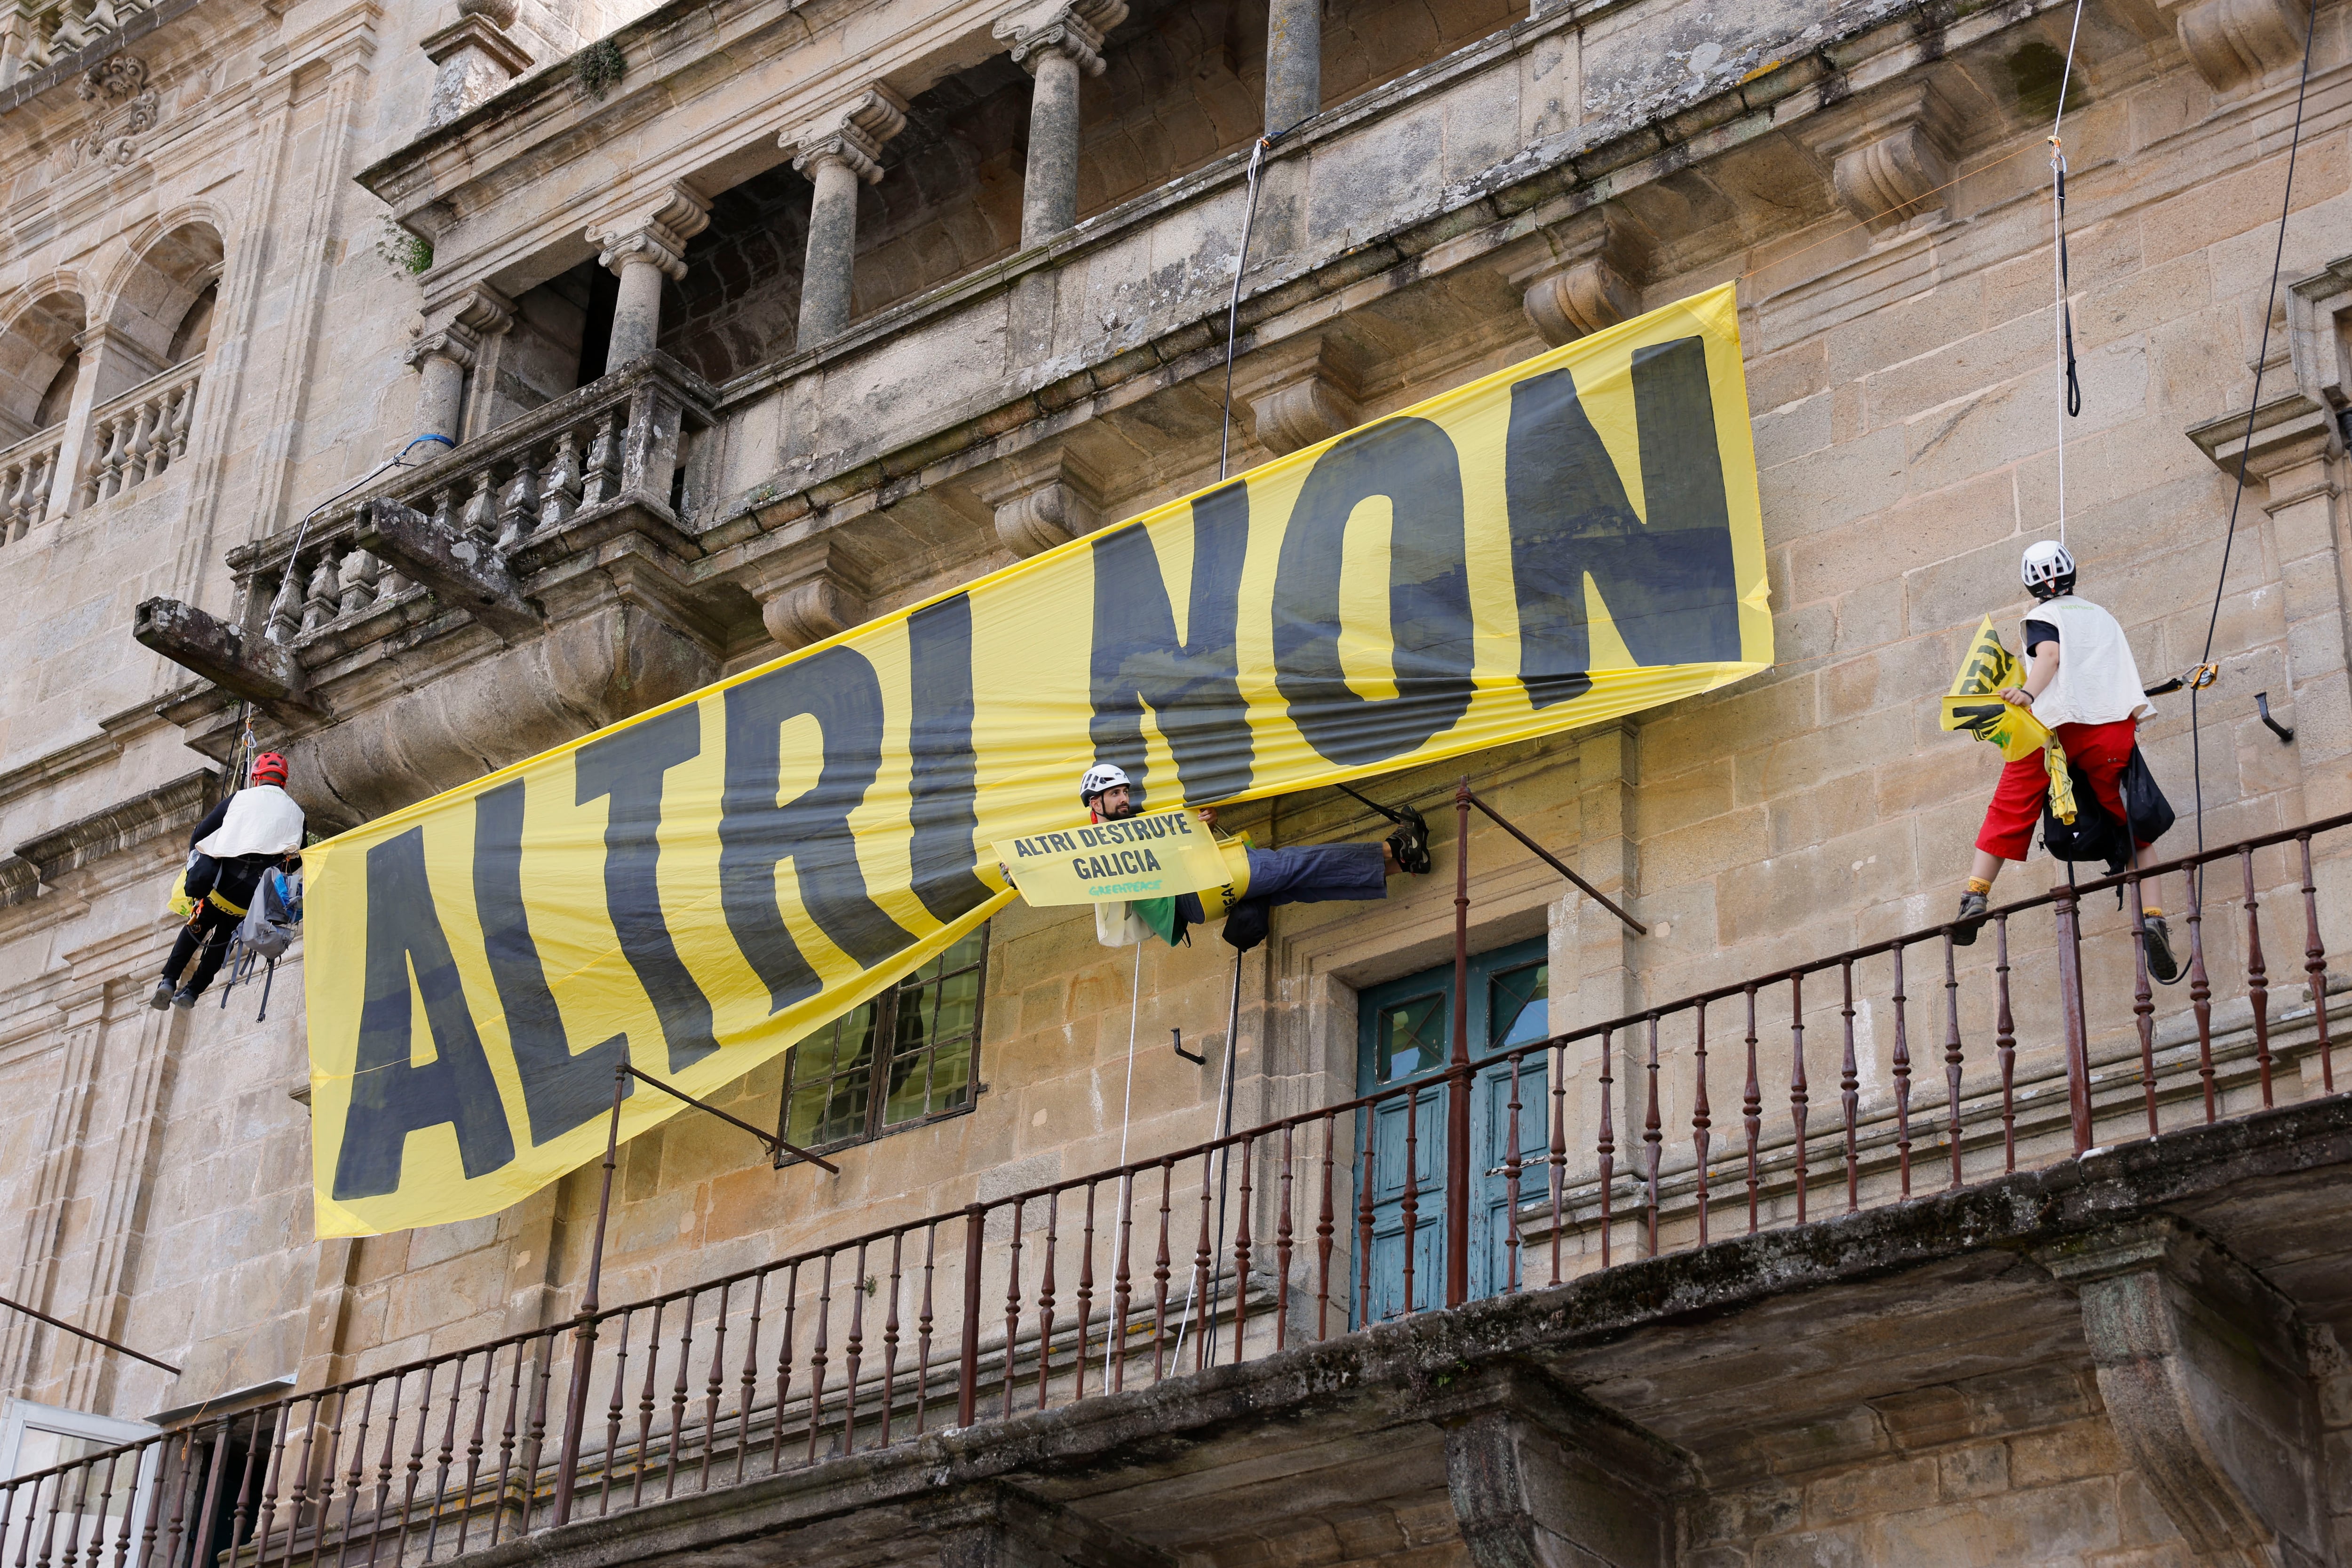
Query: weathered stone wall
[{"x": 1901, "y": 381}]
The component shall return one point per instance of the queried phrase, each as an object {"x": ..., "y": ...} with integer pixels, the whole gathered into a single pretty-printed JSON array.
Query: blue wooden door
[{"x": 1405, "y": 1039}]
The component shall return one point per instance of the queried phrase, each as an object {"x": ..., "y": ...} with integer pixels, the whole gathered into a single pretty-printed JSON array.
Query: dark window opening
[{"x": 909, "y": 1057}]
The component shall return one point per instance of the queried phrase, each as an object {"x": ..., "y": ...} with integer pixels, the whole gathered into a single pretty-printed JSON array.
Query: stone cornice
[
  {"x": 125, "y": 824},
  {"x": 115, "y": 733}
]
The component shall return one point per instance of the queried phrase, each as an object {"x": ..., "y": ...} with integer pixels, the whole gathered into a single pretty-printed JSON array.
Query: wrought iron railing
[{"x": 1288, "y": 1232}]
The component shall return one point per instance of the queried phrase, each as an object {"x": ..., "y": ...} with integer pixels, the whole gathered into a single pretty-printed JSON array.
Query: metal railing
[{"x": 1288, "y": 1232}]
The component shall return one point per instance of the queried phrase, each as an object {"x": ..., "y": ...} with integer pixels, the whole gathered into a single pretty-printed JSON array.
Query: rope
[
  {"x": 1126, "y": 1118},
  {"x": 1234, "y": 308},
  {"x": 2246, "y": 447},
  {"x": 2062, "y": 309}
]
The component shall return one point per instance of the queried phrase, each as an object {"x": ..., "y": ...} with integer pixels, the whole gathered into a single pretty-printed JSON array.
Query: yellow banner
[
  {"x": 1156, "y": 855},
  {"x": 1571, "y": 539},
  {"x": 1975, "y": 704}
]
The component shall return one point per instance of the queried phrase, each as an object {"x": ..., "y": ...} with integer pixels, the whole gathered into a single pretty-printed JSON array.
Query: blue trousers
[{"x": 1310, "y": 874}]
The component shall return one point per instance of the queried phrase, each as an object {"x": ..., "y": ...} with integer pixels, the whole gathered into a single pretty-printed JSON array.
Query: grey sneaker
[
  {"x": 184, "y": 1000},
  {"x": 2157, "y": 939},
  {"x": 162, "y": 995},
  {"x": 1972, "y": 915}
]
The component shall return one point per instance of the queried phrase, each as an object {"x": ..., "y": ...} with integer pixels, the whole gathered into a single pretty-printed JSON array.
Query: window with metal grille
[{"x": 909, "y": 1056}]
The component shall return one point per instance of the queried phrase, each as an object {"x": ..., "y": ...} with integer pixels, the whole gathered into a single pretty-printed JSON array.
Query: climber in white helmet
[
  {"x": 2082, "y": 683},
  {"x": 1310, "y": 873}
]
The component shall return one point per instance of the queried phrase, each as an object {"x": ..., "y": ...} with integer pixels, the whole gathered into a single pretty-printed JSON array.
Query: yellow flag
[
  {"x": 1974, "y": 704},
  {"x": 1571, "y": 539}
]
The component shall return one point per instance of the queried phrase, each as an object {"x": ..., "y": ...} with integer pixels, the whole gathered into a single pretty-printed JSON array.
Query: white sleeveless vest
[{"x": 2098, "y": 680}]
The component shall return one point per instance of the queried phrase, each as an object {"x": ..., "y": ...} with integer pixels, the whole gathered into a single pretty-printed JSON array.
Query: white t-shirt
[
  {"x": 262, "y": 819},
  {"x": 2098, "y": 680}
]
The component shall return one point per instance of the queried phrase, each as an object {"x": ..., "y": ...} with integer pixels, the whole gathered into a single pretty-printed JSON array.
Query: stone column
[
  {"x": 642, "y": 250},
  {"x": 836, "y": 158},
  {"x": 1294, "y": 62},
  {"x": 447, "y": 350},
  {"x": 1055, "y": 43}
]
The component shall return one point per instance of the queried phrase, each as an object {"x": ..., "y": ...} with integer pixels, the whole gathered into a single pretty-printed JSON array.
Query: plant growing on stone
[
  {"x": 403, "y": 251},
  {"x": 598, "y": 68}
]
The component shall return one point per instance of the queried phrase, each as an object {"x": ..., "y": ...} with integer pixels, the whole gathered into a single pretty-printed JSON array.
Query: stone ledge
[{"x": 123, "y": 825}]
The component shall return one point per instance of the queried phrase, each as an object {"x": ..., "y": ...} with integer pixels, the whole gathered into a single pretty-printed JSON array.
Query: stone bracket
[
  {"x": 2206, "y": 1381},
  {"x": 266, "y": 673},
  {"x": 992, "y": 1525},
  {"x": 461, "y": 571},
  {"x": 1541, "y": 1478},
  {"x": 2289, "y": 430},
  {"x": 1043, "y": 499},
  {"x": 1890, "y": 157},
  {"x": 1299, "y": 392},
  {"x": 1584, "y": 282},
  {"x": 807, "y": 593},
  {"x": 2236, "y": 43}
]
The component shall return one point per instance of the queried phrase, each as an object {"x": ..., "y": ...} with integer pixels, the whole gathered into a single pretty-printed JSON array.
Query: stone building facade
[{"x": 726, "y": 326}]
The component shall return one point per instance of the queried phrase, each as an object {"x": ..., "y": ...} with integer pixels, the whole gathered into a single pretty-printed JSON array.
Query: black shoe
[
  {"x": 1972, "y": 915},
  {"x": 163, "y": 996},
  {"x": 2158, "y": 939},
  {"x": 1410, "y": 843},
  {"x": 184, "y": 1000}
]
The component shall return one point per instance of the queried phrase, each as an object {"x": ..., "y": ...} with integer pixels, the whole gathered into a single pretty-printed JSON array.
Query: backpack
[
  {"x": 2095, "y": 834},
  {"x": 265, "y": 933}
]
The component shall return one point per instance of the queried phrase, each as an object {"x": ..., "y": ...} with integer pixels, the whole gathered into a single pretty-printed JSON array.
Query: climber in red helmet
[{"x": 239, "y": 840}]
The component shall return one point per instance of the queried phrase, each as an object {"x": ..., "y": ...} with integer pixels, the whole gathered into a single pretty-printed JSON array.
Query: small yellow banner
[
  {"x": 1155, "y": 856},
  {"x": 1974, "y": 704}
]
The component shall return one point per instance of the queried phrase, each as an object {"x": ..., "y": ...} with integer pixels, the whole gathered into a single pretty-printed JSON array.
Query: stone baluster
[
  {"x": 285, "y": 617},
  {"x": 359, "y": 581},
  {"x": 113, "y": 441},
  {"x": 1056, "y": 44},
  {"x": 520, "y": 508},
  {"x": 836, "y": 155},
  {"x": 560, "y": 494},
  {"x": 183, "y": 414},
  {"x": 135, "y": 470},
  {"x": 642, "y": 250},
  {"x": 320, "y": 609},
  {"x": 599, "y": 483},
  {"x": 480, "y": 520},
  {"x": 443, "y": 500}
]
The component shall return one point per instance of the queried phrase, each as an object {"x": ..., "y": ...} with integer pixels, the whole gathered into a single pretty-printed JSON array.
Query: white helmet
[
  {"x": 2046, "y": 563},
  {"x": 1100, "y": 777}
]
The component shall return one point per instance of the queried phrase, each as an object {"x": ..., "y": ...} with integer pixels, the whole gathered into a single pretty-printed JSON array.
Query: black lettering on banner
[
  {"x": 946, "y": 810},
  {"x": 629, "y": 767},
  {"x": 1192, "y": 687},
  {"x": 1412, "y": 462},
  {"x": 1668, "y": 585},
  {"x": 390, "y": 1096},
  {"x": 837, "y": 688},
  {"x": 559, "y": 1090}
]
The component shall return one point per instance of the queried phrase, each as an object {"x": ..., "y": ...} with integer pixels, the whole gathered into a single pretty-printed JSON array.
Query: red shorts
[{"x": 2102, "y": 750}]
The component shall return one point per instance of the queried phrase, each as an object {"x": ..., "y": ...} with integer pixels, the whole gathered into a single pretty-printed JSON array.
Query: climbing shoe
[
  {"x": 2158, "y": 937},
  {"x": 1410, "y": 843},
  {"x": 1972, "y": 915},
  {"x": 184, "y": 1000},
  {"x": 163, "y": 996}
]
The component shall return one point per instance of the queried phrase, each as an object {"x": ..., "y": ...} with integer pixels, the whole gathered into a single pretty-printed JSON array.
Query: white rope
[
  {"x": 1126, "y": 1119},
  {"x": 2060, "y": 325}
]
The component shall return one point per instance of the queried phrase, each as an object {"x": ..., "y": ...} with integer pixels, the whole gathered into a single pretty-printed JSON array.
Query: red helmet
[{"x": 269, "y": 768}]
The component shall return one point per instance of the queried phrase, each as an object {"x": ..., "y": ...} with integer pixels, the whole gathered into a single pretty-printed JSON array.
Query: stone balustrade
[
  {"x": 141, "y": 433},
  {"x": 27, "y": 471},
  {"x": 560, "y": 478},
  {"x": 50, "y": 31}
]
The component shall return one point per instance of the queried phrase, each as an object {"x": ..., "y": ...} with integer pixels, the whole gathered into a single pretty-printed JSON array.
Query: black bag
[{"x": 2095, "y": 834}]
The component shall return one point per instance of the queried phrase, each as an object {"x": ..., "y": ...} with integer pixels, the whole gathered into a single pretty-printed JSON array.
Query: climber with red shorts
[{"x": 2082, "y": 683}]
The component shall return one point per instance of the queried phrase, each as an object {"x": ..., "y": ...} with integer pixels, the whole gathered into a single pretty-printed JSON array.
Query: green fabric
[{"x": 1161, "y": 915}]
